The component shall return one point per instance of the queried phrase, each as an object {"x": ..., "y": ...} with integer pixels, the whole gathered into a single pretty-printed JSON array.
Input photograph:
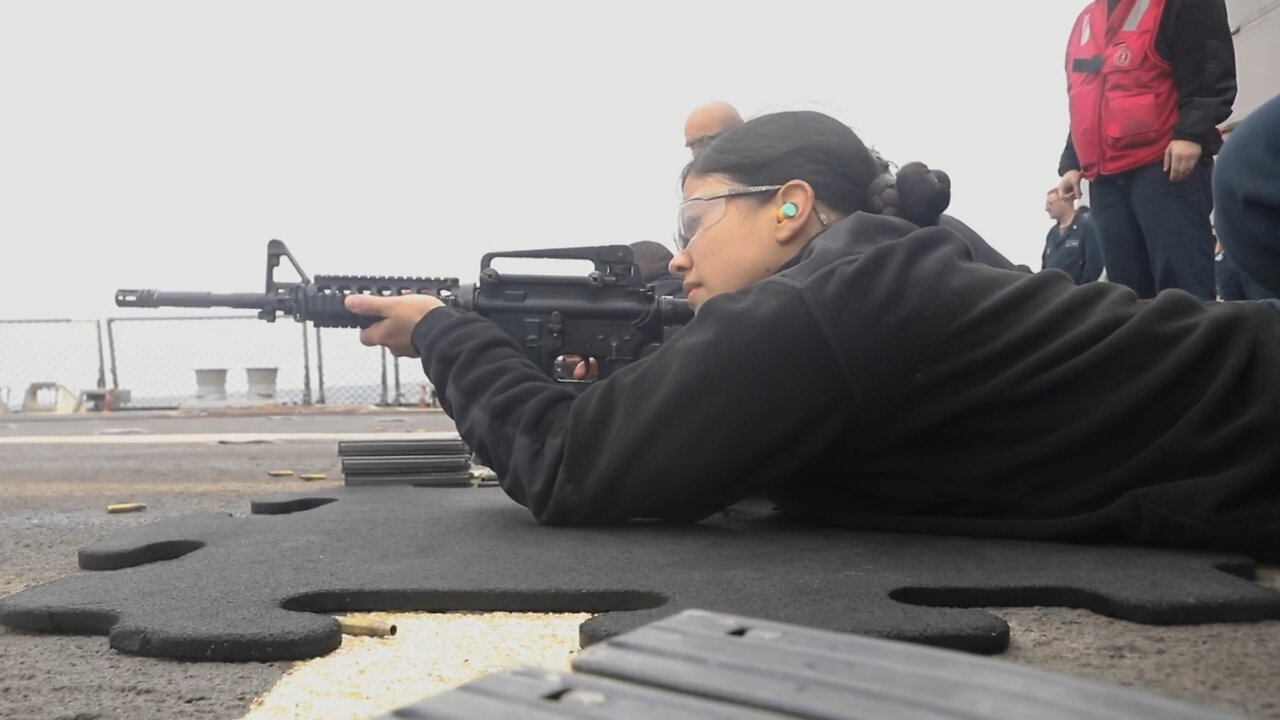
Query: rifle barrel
[{"x": 163, "y": 298}]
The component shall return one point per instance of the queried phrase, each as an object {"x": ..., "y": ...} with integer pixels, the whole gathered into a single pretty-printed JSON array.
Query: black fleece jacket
[
  {"x": 1195, "y": 38},
  {"x": 885, "y": 379}
]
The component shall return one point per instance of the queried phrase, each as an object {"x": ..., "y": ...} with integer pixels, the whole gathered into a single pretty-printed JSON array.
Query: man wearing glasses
[{"x": 708, "y": 122}]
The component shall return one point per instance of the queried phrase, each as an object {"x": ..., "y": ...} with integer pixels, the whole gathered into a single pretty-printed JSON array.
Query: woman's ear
[{"x": 794, "y": 213}]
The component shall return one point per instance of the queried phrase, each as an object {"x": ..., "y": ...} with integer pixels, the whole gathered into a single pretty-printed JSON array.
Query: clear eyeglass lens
[{"x": 696, "y": 215}]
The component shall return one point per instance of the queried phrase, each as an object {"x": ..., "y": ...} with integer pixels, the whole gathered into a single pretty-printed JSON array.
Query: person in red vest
[{"x": 1148, "y": 82}]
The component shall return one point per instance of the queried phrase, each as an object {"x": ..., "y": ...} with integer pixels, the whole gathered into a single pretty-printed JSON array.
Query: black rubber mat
[
  {"x": 701, "y": 665},
  {"x": 217, "y": 587}
]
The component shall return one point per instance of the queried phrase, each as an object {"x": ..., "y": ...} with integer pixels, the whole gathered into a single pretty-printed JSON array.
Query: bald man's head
[{"x": 708, "y": 121}]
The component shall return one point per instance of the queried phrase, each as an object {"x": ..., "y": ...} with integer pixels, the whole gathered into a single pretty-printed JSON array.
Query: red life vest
[{"x": 1123, "y": 98}]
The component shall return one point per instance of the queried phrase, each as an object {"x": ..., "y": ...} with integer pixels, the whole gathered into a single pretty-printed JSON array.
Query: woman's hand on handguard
[{"x": 400, "y": 314}]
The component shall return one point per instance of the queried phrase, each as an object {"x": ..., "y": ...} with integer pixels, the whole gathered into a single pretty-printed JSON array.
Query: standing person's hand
[
  {"x": 1180, "y": 159},
  {"x": 1069, "y": 186},
  {"x": 400, "y": 314}
]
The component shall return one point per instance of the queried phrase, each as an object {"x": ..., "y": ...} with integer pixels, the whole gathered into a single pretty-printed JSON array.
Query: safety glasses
[{"x": 698, "y": 214}]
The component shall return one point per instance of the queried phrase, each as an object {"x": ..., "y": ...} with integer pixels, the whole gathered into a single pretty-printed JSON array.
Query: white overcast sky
[{"x": 162, "y": 144}]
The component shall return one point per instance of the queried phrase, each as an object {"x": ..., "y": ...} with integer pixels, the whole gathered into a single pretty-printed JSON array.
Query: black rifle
[{"x": 610, "y": 314}]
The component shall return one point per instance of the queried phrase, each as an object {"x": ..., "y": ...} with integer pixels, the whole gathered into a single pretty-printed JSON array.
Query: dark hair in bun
[
  {"x": 916, "y": 194},
  {"x": 845, "y": 175}
]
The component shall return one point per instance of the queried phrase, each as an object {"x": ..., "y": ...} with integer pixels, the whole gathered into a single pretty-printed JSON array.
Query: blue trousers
[{"x": 1155, "y": 234}]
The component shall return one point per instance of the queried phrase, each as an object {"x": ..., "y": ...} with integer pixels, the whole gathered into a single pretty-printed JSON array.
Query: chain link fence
[
  {"x": 55, "y": 359},
  {"x": 168, "y": 362},
  {"x": 156, "y": 358},
  {"x": 349, "y": 372},
  {"x": 410, "y": 385}
]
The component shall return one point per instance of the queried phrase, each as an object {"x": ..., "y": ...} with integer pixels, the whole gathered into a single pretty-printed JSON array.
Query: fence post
[
  {"x": 395, "y": 364},
  {"x": 111, "y": 345},
  {"x": 383, "y": 355},
  {"x": 102, "y": 365},
  {"x": 319, "y": 368},
  {"x": 306, "y": 366}
]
